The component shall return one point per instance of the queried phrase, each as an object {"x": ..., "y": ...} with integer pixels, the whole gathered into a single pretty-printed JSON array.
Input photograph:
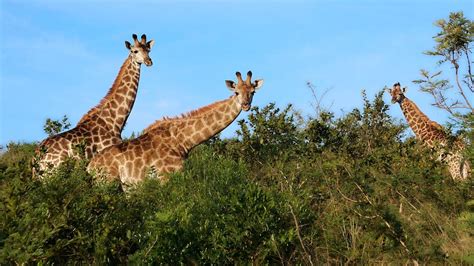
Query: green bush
[{"x": 349, "y": 190}]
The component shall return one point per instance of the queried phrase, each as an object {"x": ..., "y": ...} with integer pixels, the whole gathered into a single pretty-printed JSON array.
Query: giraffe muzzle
[{"x": 148, "y": 62}]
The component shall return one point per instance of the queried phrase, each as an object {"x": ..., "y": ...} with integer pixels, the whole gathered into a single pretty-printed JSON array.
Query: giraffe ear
[
  {"x": 150, "y": 44},
  {"x": 128, "y": 45},
  {"x": 404, "y": 89},
  {"x": 258, "y": 84},
  {"x": 230, "y": 85}
]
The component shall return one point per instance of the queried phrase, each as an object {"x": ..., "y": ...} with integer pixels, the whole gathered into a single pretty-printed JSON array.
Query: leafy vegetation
[
  {"x": 288, "y": 190},
  {"x": 53, "y": 127},
  {"x": 453, "y": 47}
]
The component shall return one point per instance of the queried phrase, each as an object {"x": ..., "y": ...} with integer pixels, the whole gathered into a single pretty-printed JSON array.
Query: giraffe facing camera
[
  {"x": 165, "y": 144},
  {"x": 433, "y": 135}
]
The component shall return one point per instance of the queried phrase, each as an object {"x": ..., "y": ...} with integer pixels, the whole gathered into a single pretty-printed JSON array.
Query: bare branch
[
  {"x": 461, "y": 91},
  {"x": 469, "y": 73},
  {"x": 299, "y": 235},
  {"x": 317, "y": 105}
]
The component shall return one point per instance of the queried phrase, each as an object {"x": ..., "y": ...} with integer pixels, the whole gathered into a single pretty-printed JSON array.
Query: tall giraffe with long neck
[
  {"x": 101, "y": 126},
  {"x": 433, "y": 135},
  {"x": 166, "y": 144}
]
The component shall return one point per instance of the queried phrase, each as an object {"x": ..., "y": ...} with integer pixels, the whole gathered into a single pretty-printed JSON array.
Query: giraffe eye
[{"x": 135, "y": 51}]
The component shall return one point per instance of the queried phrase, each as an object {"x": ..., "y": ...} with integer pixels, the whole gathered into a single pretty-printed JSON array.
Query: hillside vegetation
[{"x": 355, "y": 189}]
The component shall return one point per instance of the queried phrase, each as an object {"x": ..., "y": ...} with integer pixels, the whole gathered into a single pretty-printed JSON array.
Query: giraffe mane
[
  {"x": 116, "y": 83},
  {"x": 419, "y": 111},
  {"x": 168, "y": 120},
  {"x": 430, "y": 122}
]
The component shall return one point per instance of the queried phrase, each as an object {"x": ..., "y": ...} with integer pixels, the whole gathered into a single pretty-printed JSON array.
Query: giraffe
[
  {"x": 433, "y": 135},
  {"x": 102, "y": 125},
  {"x": 165, "y": 144}
]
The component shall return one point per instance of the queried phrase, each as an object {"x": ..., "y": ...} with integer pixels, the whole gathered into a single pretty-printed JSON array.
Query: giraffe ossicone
[
  {"x": 165, "y": 144},
  {"x": 433, "y": 135},
  {"x": 102, "y": 125}
]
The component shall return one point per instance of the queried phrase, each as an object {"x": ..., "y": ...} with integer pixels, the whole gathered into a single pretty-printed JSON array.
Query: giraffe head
[
  {"x": 140, "y": 49},
  {"x": 397, "y": 93},
  {"x": 244, "y": 89}
]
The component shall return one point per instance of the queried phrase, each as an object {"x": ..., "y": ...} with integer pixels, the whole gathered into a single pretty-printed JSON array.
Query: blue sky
[{"x": 61, "y": 57}]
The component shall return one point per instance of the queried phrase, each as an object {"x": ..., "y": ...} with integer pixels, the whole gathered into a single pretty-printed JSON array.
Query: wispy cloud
[
  {"x": 37, "y": 46},
  {"x": 45, "y": 50}
]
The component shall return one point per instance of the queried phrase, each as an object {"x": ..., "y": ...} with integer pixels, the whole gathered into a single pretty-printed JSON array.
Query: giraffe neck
[
  {"x": 115, "y": 107},
  {"x": 199, "y": 127},
  {"x": 167, "y": 121},
  {"x": 426, "y": 130}
]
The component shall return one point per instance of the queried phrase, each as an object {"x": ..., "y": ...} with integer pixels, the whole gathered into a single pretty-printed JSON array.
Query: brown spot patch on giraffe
[
  {"x": 113, "y": 172},
  {"x": 198, "y": 125},
  {"x": 55, "y": 146},
  {"x": 138, "y": 149},
  {"x": 168, "y": 160},
  {"x": 196, "y": 138},
  {"x": 139, "y": 163},
  {"x": 119, "y": 98},
  {"x": 147, "y": 157},
  {"x": 128, "y": 155},
  {"x": 180, "y": 136},
  {"x": 147, "y": 145},
  {"x": 136, "y": 172},
  {"x": 107, "y": 142},
  {"x": 100, "y": 123},
  {"x": 216, "y": 126},
  {"x": 188, "y": 131},
  {"x": 218, "y": 116},
  {"x": 128, "y": 165},
  {"x": 188, "y": 142},
  {"x": 114, "y": 104},
  {"x": 109, "y": 120},
  {"x": 159, "y": 163},
  {"x": 122, "y": 111},
  {"x": 207, "y": 132},
  {"x": 117, "y": 128}
]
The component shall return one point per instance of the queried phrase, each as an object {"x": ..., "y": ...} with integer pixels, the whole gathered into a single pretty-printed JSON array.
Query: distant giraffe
[
  {"x": 433, "y": 135},
  {"x": 101, "y": 126},
  {"x": 165, "y": 144}
]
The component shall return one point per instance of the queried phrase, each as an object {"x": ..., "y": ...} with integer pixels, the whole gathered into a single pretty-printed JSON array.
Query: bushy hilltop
[{"x": 286, "y": 190}]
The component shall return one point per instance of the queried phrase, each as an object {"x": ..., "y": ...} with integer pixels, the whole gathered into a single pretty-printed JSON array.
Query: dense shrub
[{"x": 354, "y": 189}]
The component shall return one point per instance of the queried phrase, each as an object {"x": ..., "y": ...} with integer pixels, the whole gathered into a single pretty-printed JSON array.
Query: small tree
[
  {"x": 453, "y": 46},
  {"x": 53, "y": 127}
]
